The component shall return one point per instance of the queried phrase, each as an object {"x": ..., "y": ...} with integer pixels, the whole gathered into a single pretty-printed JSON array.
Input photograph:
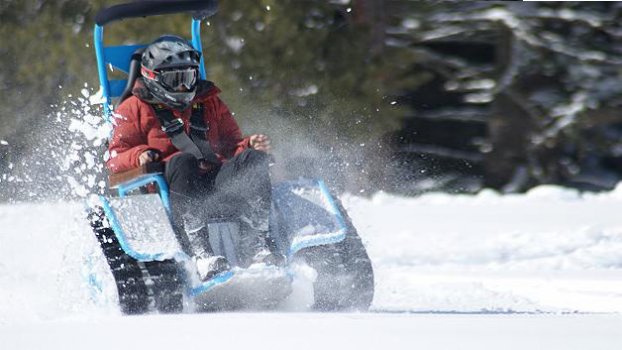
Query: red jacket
[{"x": 137, "y": 129}]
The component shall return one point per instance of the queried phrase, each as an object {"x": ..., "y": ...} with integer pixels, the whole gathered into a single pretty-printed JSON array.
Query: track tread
[
  {"x": 345, "y": 274},
  {"x": 142, "y": 287}
]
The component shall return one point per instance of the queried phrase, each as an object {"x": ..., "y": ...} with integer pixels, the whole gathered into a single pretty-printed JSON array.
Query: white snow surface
[{"x": 541, "y": 270}]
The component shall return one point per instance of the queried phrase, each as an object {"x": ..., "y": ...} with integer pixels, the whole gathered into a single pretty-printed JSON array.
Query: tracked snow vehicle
[{"x": 135, "y": 232}]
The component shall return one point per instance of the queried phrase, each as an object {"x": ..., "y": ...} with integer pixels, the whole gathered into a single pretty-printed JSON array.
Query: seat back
[{"x": 132, "y": 74}]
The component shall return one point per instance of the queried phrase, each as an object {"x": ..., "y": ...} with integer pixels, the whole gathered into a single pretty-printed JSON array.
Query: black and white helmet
[{"x": 170, "y": 70}]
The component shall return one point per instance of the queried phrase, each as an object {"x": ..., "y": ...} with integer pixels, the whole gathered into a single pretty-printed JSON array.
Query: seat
[{"x": 132, "y": 75}]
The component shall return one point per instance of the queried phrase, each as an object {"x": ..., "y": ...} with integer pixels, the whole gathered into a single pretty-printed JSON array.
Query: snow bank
[
  {"x": 552, "y": 249},
  {"x": 43, "y": 255}
]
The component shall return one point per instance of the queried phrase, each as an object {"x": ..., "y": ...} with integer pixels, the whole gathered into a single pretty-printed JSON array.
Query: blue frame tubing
[
  {"x": 196, "y": 43},
  {"x": 123, "y": 242},
  {"x": 98, "y": 38},
  {"x": 324, "y": 239},
  {"x": 126, "y": 187}
]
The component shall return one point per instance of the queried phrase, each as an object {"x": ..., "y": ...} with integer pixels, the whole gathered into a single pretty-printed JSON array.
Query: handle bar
[{"x": 201, "y": 9}]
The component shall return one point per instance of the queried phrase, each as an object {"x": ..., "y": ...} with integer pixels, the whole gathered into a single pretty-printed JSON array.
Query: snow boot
[
  {"x": 208, "y": 264},
  {"x": 266, "y": 256},
  {"x": 254, "y": 245}
]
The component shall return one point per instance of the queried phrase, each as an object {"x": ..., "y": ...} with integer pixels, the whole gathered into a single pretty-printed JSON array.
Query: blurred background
[{"x": 372, "y": 95}]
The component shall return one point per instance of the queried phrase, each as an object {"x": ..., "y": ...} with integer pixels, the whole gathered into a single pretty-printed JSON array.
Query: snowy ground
[
  {"x": 535, "y": 271},
  {"x": 322, "y": 331},
  {"x": 550, "y": 250}
]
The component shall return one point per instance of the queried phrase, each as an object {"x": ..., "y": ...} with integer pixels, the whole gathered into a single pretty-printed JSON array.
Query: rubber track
[
  {"x": 345, "y": 280},
  {"x": 142, "y": 287}
]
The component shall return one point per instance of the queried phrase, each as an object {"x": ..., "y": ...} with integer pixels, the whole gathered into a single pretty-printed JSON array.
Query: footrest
[{"x": 257, "y": 287}]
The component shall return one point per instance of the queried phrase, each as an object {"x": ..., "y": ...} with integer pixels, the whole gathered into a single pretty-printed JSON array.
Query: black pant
[{"x": 240, "y": 188}]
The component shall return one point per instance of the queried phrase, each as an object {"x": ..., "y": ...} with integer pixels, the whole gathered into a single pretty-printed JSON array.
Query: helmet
[{"x": 169, "y": 67}]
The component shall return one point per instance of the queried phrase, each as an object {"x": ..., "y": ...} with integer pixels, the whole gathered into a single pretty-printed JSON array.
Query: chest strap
[{"x": 196, "y": 143}]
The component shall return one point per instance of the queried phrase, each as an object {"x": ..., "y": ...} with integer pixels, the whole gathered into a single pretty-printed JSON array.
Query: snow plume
[
  {"x": 64, "y": 157},
  {"x": 305, "y": 149},
  {"x": 298, "y": 149},
  {"x": 65, "y": 154}
]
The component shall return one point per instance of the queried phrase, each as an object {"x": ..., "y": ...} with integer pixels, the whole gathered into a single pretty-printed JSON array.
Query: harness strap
[
  {"x": 198, "y": 133},
  {"x": 195, "y": 143}
]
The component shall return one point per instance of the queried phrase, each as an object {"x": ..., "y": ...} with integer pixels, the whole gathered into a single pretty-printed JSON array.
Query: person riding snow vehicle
[{"x": 211, "y": 169}]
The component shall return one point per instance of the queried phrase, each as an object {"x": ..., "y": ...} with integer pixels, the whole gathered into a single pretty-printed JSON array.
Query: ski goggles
[{"x": 176, "y": 79}]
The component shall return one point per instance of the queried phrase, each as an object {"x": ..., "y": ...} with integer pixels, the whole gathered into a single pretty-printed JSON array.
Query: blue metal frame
[
  {"x": 196, "y": 43},
  {"x": 138, "y": 182},
  {"x": 118, "y": 230},
  {"x": 224, "y": 277},
  {"x": 98, "y": 39},
  {"x": 324, "y": 239},
  {"x": 205, "y": 286}
]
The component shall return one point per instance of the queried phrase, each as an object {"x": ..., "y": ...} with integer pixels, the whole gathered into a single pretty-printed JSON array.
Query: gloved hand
[
  {"x": 148, "y": 156},
  {"x": 260, "y": 142}
]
